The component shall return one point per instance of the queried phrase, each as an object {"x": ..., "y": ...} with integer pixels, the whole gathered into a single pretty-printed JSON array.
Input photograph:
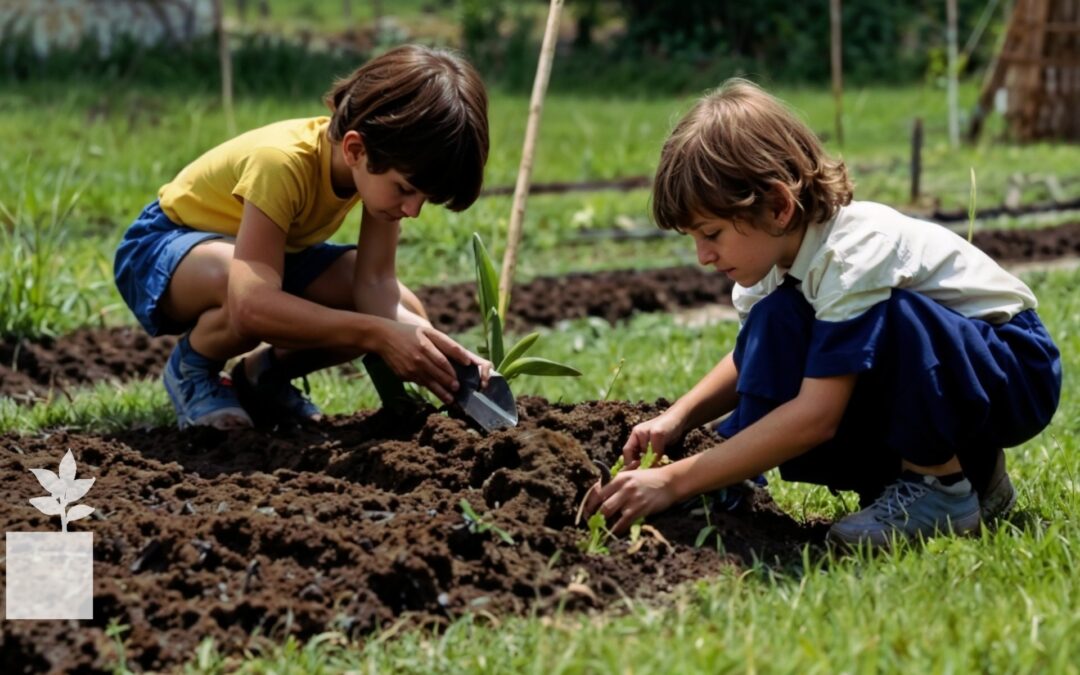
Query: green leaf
[
  {"x": 487, "y": 281},
  {"x": 703, "y": 534},
  {"x": 517, "y": 351},
  {"x": 649, "y": 458},
  {"x": 534, "y": 365},
  {"x": 495, "y": 327}
]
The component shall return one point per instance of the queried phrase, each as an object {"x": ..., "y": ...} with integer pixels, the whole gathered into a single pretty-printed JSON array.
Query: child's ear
[
  {"x": 783, "y": 203},
  {"x": 352, "y": 147}
]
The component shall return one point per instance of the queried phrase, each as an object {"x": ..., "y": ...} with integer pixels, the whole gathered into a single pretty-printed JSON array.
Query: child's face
[
  {"x": 388, "y": 195},
  {"x": 747, "y": 254}
]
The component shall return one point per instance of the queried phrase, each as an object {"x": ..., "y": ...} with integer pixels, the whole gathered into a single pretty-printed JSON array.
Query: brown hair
[
  {"x": 422, "y": 112},
  {"x": 727, "y": 155}
]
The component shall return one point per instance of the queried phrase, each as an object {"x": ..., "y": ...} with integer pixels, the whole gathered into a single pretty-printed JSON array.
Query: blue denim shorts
[{"x": 153, "y": 247}]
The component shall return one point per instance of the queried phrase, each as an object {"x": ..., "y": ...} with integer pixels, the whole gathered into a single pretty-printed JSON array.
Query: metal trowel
[{"x": 492, "y": 407}]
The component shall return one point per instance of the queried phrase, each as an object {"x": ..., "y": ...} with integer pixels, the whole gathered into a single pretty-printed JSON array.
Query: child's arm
[
  {"x": 806, "y": 421},
  {"x": 710, "y": 398},
  {"x": 259, "y": 308},
  {"x": 375, "y": 285}
]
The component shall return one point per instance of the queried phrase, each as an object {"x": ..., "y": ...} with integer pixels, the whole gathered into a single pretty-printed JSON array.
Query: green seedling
[
  {"x": 595, "y": 543},
  {"x": 479, "y": 524},
  {"x": 513, "y": 362},
  {"x": 647, "y": 460}
]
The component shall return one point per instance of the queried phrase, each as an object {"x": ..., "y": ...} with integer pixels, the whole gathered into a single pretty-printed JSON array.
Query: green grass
[
  {"x": 1004, "y": 602},
  {"x": 119, "y": 145}
]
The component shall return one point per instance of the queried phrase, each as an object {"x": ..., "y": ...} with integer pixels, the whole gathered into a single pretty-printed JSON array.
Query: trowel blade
[{"x": 492, "y": 407}]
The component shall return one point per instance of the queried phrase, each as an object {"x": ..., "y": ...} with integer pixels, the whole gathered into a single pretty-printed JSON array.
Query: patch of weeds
[
  {"x": 478, "y": 524},
  {"x": 39, "y": 293}
]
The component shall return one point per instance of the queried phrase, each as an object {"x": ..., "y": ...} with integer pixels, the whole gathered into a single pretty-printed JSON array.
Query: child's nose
[
  {"x": 412, "y": 206},
  {"x": 705, "y": 254}
]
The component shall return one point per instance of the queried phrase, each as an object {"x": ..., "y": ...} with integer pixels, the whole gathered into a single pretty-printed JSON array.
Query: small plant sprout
[
  {"x": 64, "y": 489},
  {"x": 508, "y": 362},
  {"x": 595, "y": 543},
  {"x": 647, "y": 460},
  {"x": 479, "y": 524}
]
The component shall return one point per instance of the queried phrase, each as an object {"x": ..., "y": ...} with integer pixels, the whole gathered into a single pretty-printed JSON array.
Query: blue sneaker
[
  {"x": 908, "y": 509},
  {"x": 273, "y": 398},
  {"x": 194, "y": 385}
]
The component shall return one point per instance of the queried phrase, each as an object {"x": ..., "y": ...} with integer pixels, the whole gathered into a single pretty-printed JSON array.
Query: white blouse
[{"x": 853, "y": 262}]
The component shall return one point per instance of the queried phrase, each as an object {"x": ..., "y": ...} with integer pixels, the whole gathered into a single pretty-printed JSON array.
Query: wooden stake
[
  {"x": 225, "y": 59},
  {"x": 953, "y": 66},
  {"x": 916, "y": 160},
  {"x": 837, "y": 44},
  {"x": 532, "y": 128}
]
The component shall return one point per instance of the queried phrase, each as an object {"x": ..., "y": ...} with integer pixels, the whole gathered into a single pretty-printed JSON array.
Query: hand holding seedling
[
  {"x": 420, "y": 354},
  {"x": 633, "y": 495},
  {"x": 657, "y": 432}
]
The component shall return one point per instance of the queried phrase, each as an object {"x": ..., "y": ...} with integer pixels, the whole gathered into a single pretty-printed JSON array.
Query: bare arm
[
  {"x": 710, "y": 398},
  {"x": 258, "y": 307},
  {"x": 808, "y": 420},
  {"x": 375, "y": 285}
]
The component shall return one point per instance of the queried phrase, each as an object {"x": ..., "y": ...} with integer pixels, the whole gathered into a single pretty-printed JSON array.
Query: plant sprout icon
[{"x": 63, "y": 490}]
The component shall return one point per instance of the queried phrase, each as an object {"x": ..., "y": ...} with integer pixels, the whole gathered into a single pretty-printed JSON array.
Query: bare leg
[
  {"x": 333, "y": 288},
  {"x": 198, "y": 292}
]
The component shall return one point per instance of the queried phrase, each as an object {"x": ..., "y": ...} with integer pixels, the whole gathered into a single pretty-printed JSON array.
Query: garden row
[{"x": 30, "y": 370}]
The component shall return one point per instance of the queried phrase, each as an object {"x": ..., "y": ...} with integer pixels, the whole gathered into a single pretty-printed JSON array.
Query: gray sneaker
[
  {"x": 998, "y": 498},
  {"x": 909, "y": 509}
]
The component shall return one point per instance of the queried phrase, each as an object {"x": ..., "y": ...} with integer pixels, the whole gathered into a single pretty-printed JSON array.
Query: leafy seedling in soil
[
  {"x": 479, "y": 524},
  {"x": 508, "y": 362},
  {"x": 595, "y": 542},
  {"x": 703, "y": 533}
]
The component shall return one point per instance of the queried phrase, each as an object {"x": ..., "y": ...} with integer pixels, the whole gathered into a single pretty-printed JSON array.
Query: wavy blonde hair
[{"x": 734, "y": 155}]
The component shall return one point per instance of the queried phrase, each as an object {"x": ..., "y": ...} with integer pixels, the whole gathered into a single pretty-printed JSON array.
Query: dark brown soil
[
  {"x": 34, "y": 370},
  {"x": 352, "y": 525}
]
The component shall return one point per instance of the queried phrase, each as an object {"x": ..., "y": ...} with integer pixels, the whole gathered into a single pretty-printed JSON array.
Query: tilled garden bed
[
  {"x": 31, "y": 370},
  {"x": 352, "y": 525}
]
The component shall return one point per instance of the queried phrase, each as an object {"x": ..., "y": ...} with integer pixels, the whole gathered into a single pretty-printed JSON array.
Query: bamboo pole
[
  {"x": 837, "y": 43},
  {"x": 532, "y": 128},
  {"x": 225, "y": 60}
]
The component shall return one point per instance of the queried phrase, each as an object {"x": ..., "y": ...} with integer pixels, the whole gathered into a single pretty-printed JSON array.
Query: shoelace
[{"x": 898, "y": 496}]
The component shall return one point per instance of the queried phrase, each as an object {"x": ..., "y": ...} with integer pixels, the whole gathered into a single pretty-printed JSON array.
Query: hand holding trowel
[{"x": 491, "y": 407}]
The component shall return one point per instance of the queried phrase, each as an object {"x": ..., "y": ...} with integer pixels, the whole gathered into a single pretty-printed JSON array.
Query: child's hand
[
  {"x": 420, "y": 354},
  {"x": 659, "y": 431},
  {"x": 632, "y": 495}
]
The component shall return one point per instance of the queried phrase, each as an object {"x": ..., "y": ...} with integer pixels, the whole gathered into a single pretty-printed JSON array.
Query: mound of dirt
[{"x": 352, "y": 525}]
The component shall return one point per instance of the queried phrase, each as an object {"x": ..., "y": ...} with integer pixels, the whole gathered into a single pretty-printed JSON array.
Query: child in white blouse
[{"x": 877, "y": 353}]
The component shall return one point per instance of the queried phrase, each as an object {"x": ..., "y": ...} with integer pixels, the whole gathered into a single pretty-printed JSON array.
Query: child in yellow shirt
[{"x": 233, "y": 253}]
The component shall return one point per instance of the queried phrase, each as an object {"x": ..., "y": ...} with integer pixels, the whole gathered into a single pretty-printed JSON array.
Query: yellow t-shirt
[{"x": 282, "y": 168}]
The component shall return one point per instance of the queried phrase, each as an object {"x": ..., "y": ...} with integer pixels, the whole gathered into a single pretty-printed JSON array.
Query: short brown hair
[
  {"x": 726, "y": 155},
  {"x": 422, "y": 112}
]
